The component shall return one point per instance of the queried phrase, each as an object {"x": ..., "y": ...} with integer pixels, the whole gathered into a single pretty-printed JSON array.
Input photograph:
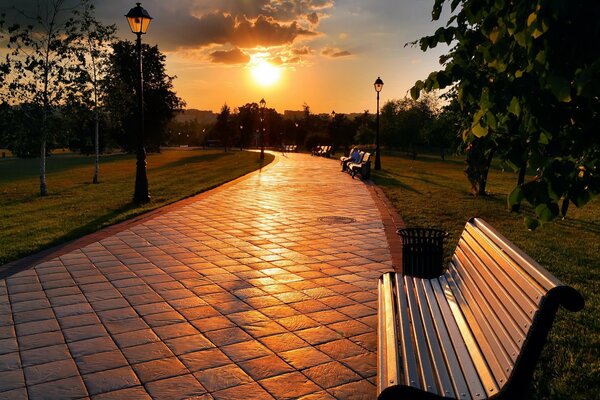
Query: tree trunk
[
  {"x": 443, "y": 153},
  {"x": 520, "y": 181},
  {"x": 43, "y": 189},
  {"x": 484, "y": 176},
  {"x": 97, "y": 149}
]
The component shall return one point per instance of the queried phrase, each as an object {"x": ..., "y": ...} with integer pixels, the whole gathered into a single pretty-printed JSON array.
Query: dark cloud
[
  {"x": 265, "y": 31},
  {"x": 313, "y": 18},
  {"x": 334, "y": 52},
  {"x": 233, "y": 56}
]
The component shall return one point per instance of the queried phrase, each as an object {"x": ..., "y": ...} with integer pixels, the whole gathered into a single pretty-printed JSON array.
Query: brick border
[
  {"x": 32, "y": 260},
  {"x": 392, "y": 221}
]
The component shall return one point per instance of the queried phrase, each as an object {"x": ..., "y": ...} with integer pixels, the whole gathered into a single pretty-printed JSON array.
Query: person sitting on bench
[{"x": 354, "y": 158}]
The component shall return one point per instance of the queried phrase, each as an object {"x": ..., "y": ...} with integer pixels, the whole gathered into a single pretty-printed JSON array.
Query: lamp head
[{"x": 138, "y": 19}]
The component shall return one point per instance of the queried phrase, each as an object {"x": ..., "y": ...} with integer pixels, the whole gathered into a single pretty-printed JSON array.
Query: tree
[
  {"x": 92, "y": 50},
  {"x": 223, "y": 126},
  {"x": 527, "y": 75},
  {"x": 40, "y": 67},
  {"x": 160, "y": 100}
]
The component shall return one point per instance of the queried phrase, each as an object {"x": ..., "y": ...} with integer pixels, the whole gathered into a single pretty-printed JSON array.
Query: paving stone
[
  {"x": 289, "y": 386},
  {"x": 10, "y": 362},
  {"x": 212, "y": 324},
  {"x": 317, "y": 396},
  {"x": 132, "y": 393},
  {"x": 250, "y": 391},
  {"x": 318, "y": 335},
  {"x": 84, "y": 332},
  {"x": 331, "y": 374},
  {"x": 154, "y": 370},
  {"x": 15, "y": 394},
  {"x": 147, "y": 352},
  {"x": 45, "y": 355},
  {"x": 69, "y": 388},
  {"x": 79, "y": 320},
  {"x": 265, "y": 367},
  {"x": 188, "y": 344},
  {"x": 50, "y": 372},
  {"x": 245, "y": 350},
  {"x": 100, "y": 362},
  {"x": 8, "y": 345},
  {"x": 135, "y": 338},
  {"x": 227, "y": 336},
  {"x": 110, "y": 380},
  {"x": 204, "y": 359},
  {"x": 179, "y": 387},
  {"x": 363, "y": 364},
  {"x": 12, "y": 379},
  {"x": 222, "y": 377},
  {"x": 283, "y": 342},
  {"x": 361, "y": 390},
  {"x": 342, "y": 348},
  {"x": 92, "y": 346},
  {"x": 304, "y": 357}
]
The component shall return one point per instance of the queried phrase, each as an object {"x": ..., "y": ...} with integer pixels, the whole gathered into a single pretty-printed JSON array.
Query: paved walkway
[{"x": 257, "y": 290}]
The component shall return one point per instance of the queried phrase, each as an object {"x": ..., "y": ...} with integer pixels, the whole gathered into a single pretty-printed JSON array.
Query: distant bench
[
  {"x": 476, "y": 331},
  {"x": 289, "y": 148},
  {"x": 323, "y": 151}
]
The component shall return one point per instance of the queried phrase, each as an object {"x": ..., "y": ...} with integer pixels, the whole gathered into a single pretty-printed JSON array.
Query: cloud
[
  {"x": 302, "y": 51},
  {"x": 334, "y": 52},
  {"x": 266, "y": 31},
  {"x": 313, "y": 18},
  {"x": 233, "y": 56}
]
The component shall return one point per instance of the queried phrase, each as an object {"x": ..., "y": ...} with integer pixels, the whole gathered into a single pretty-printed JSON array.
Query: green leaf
[
  {"x": 531, "y": 223},
  {"x": 514, "y": 107},
  {"x": 515, "y": 197},
  {"x": 479, "y": 130},
  {"x": 546, "y": 212},
  {"x": 560, "y": 87}
]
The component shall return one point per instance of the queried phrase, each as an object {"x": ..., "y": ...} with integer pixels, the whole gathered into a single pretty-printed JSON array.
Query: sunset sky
[{"x": 328, "y": 53}]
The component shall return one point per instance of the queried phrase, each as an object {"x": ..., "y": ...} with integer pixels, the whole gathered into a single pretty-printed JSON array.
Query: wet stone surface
[{"x": 262, "y": 289}]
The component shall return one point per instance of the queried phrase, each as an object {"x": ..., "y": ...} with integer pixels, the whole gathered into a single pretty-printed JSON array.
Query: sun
[{"x": 265, "y": 73}]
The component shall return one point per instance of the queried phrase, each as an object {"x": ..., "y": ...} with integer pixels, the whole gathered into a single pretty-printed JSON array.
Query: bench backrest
[
  {"x": 366, "y": 158},
  {"x": 499, "y": 294}
]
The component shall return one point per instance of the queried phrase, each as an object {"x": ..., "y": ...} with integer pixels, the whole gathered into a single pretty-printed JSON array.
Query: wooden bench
[
  {"x": 363, "y": 167},
  {"x": 476, "y": 331},
  {"x": 289, "y": 148},
  {"x": 323, "y": 151}
]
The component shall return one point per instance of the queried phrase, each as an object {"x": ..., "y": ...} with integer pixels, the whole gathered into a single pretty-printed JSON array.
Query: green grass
[
  {"x": 428, "y": 192},
  {"x": 76, "y": 207}
]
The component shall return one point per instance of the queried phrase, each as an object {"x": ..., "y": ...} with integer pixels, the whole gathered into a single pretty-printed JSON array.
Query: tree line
[{"x": 67, "y": 81}]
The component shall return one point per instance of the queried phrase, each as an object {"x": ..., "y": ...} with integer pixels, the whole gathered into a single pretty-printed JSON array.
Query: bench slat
[
  {"x": 485, "y": 295},
  {"x": 535, "y": 271},
  {"x": 516, "y": 276},
  {"x": 421, "y": 349},
  {"x": 409, "y": 361},
  {"x": 498, "y": 360},
  {"x": 449, "y": 311},
  {"x": 388, "y": 344},
  {"x": 433, "y": 338},
  {"x": 454, "y": 370}
]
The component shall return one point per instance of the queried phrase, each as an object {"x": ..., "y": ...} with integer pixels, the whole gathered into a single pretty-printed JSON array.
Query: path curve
[{"x": 263, "y": 288}]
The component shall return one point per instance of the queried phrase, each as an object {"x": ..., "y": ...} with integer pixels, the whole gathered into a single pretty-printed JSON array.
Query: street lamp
[
  {"x": 241, "y": 137},
  {"x": 378, "y": 86},
  {"x": 262, "y": 104},
  {"x": 139, "y": 20}
]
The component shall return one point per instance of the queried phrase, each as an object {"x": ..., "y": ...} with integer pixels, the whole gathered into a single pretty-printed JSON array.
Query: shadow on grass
[
  {"x": 383, "y": 178},
  {"x": 20, "y": 168},
  {"x": 194, "y": 159}
]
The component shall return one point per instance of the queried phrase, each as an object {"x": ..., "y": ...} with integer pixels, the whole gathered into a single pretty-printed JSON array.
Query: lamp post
[
  {"x": 262, "y": 104},
  {"x": 241, "y": 137},
  {"x": 378, "y": 86},
  {"x": 139, "y": 20}
]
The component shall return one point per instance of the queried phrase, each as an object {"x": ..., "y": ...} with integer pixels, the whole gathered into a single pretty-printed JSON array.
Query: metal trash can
[{"x": 422, "y": 252}]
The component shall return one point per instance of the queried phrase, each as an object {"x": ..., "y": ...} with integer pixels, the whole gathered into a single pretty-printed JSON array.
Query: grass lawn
[
  {"x": 76, "y": 207},
  {"x": 432, "y": 193}
]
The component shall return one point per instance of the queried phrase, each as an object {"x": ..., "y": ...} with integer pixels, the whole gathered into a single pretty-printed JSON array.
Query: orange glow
[{"x": 265, "y": 73}]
